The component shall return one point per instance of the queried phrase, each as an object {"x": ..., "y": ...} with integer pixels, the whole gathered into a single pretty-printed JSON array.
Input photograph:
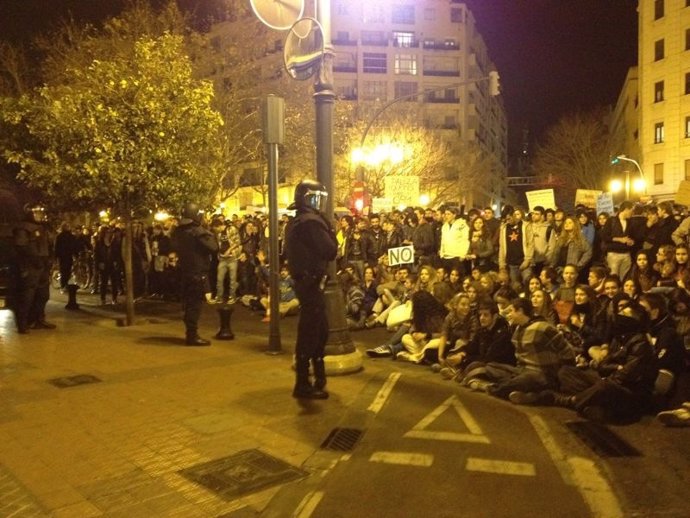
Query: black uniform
[
  {"x": 194, "y": 246},
  {"x": 33, "y": 250},
  {"x": 310, "y": 245}
]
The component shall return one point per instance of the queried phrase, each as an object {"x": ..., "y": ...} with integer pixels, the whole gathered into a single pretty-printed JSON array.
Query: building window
[
  {"x": 403, "y": 39},
  {"x": 687, "y": 39},
  {"x": 659, "y": 50},
  {"x": 687, "y": 127},
  {"x": 658, "y": 132},
  {"x": 403, "y": 14},
  {"x": 687, "y": 83},
  {"x": 374, "y": 91},
  {"x": 687, "y": 169},
  {"x": 658, "y": 9},
  {"x": 406, "y": 64},
  {"x": 456, "y": 15},
  {"x": 430, "y": 14},
  {"x": 403, "y": 88},
  {"x": 450, "y": 122},
  {"x": 374, "y": 63},
  {"x": 341, "y": 9},
  {"x": 658, "y": 91},
  {"x": 377, "y": 38},
  {"x": 374, "y": 13},
  {"x": 658, "y": 174}
]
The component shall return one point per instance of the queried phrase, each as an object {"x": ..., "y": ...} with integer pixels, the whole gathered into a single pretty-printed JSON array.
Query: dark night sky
[{"x": 554, "y": 56}]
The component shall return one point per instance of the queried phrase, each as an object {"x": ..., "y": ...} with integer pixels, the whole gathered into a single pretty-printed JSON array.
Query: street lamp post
[{"x": 636, "y": 185}]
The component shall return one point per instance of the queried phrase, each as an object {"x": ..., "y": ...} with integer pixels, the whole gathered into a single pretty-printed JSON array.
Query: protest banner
[
  {"x": 402, "y": 190},
  {"x": 587, "y": 197},
  {"x": 542, "y": 197},
  {"x": 605, "y": 203},
  {"x": 401, "y": 255}
]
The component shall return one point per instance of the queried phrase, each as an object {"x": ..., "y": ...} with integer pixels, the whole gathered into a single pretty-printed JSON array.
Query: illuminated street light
[
  {"x": 638, "y": 185},
  {"x": 424, "y": 200},
  {"x": 616, "y": 186}
]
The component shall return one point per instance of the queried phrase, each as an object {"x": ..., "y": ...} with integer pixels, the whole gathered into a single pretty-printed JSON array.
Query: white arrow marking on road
[
  {"x": 308, "y": 504},
  {"x": 476, "y": 434},
  {"x": 406, "y": 459},
  {"x": 503, "y": 467}
]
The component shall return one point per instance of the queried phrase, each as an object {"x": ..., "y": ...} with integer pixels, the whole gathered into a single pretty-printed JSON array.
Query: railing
[
  {"x": 406, "y": 44},
  {"x": 348, "y": 42},
  {"x": 441, "y": 46},
  {"x": 375, "y": 43},
  {"x": 344, "y": 68},
  {"x": 442, "y": 100},
  {"x": 443, "y": 73}
]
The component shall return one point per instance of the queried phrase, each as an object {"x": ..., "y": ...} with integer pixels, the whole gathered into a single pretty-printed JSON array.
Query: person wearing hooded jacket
[
  {"x": 194, "y": 245},
  {"x": 310, "y": 245}
]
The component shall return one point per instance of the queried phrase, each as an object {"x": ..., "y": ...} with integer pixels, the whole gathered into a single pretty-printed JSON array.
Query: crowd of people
[{"x": 584, "y": 310}]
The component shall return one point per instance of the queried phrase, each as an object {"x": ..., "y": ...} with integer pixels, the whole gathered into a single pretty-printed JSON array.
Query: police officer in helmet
[
  {"x": 33, "y": 251},
  {"x": 310, "y": 246},
  {"x": 194, "y": 245}
]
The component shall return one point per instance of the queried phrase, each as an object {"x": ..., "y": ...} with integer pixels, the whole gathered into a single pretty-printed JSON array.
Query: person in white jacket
[{"x": 455, "y": 241}]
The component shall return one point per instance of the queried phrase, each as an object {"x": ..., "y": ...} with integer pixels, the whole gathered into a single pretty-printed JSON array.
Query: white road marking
[
  {"x": 502, "y": 467},
  {"x": 475, "y": 434},
  {"x": 308, "y": 504},
  {"x": 384, "y": 393},
  {"x": 405, "y": 459},
  {"x": 581, "y": 473}
]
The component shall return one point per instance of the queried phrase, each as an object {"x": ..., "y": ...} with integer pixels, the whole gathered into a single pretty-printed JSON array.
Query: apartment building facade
[
  {"x": 664, "y": 94},
  {"x": 392, "y": 48}
]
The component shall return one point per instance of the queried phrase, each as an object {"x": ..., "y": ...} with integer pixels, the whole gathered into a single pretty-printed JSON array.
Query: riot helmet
[
  {"x": 193, "y": 212},
  {"x": 310, "y": 194}
]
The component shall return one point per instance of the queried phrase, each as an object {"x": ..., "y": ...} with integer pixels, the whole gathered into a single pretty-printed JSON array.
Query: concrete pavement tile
[
  {"x": 58, "y": 498},
  {"x": 215, "y": 422}
]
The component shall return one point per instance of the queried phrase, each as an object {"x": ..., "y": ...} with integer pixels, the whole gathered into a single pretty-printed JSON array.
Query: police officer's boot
[
  {"x": 319, "y": 378},
  {"x": 303, "y": 387}
]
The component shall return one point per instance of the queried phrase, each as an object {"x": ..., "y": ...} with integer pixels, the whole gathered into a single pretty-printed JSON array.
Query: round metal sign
[
  {"x": 303, "y": 50},
  {"x": 278, "y": 14}
]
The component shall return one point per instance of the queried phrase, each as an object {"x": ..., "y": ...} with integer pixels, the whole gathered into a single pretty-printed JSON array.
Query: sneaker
[
  {"x": 678, "y": 417},
  {"x": 435, "y": 367},
  {"x": 232, "y": 300},
  {"x": 266, "y": 319},
  {"x": 382, "y": 351},
  {"x": 478, "y": 385},
  {"x": 448, "y": 373},
  {"x": 518, "y": 397}
]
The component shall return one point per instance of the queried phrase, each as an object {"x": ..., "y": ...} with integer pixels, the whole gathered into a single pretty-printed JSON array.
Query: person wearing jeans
[{"x": 229, "y": 248}]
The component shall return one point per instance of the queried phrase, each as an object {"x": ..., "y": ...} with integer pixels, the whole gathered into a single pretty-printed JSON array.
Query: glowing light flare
[
  {"x": 161, "y": 216},
  {"x": 424, "y": 200},
  {"x": 616, "y": 186},
  {"x": 378, "y": 155},
  {"x": 639, "y": 185},
  {"x": 359, "y": 204}
]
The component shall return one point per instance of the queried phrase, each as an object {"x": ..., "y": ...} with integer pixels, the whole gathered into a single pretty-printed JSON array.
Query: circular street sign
[
  {"x": 303, "y": 50},
  {"x": 278, "y": 14}
]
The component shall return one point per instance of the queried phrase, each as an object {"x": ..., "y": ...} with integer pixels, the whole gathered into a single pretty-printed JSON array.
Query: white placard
[
  {"x": 542, "y": 197},
  {"x": 381, "y": 205},
  {"x": 402, "y": 190},
  {"x": 401, "y": 255},
  {"x": 605, "y": 203},
  {"x": 587, "y": 197}
]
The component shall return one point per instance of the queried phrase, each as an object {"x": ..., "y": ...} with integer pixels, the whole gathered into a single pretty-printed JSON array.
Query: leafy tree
[
  {"x": 574, "y": 154},
  {"x": 136, "y": 130}
]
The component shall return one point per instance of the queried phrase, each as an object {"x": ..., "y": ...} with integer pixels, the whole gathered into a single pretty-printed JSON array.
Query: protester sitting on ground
[
  {"x": 543, "y": 306},
  {"x": 564, "y": 298},
  {"x": 503, "y": 298},
  {"x": 596, "y": 278},
  {"x": 448, "y": 287},
  {"x": 617, "y": 389},
  {"x": 459, "y": 327},
  {"x": 549, "y": 279},
  {"x": 540, "y": 351},
  {"x": 643, "y": 273},
  {"x": 679, "y": 307},
  {"x": 390, "y": 294},
  {"x": 667, "y": 342},
  {"x": 631, "y": 288},
  {"x": 586, "y": 320},
  {"x": 533, "y": 284},
  {"x": 354, "y": 299},
  {"x": 369, "y": 285},
  {"x": 666, "y": 254},
  {"x": 412, "y": 341},
  {"x": 682, "y": 275},
  {"x": 288, "y": 303},
  {"x": 491, "y": 343}
]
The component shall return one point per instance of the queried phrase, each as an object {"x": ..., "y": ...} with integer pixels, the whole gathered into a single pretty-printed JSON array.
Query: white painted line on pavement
[
  {"x": 308, "y": 504},
  {"x": 502, "y": 467},
  {"x": 581, "y": 473},
  {"x": 405, "y": 459},
  {"x": 384, "y": 393},
  {"x": 476, "y": 434}
]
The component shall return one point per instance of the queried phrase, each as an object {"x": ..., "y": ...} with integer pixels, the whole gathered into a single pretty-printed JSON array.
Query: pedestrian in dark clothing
[
  {"x": 65, "y": 249},
  {"x": 194, "y": 245},
  {"x": 311, "y": 244},
  {"x": 108, "y": 259}
]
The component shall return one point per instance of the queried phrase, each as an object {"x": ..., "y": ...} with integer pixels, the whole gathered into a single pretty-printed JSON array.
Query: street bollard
[
  {"x": 72, "y": 297},
  {"x": 225, "y": 313}
]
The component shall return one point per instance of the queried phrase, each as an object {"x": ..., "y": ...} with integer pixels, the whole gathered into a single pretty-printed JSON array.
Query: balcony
[
  {"x": 375, "y": 43},
  {"x": 414, "y": 44},
  {"x": 442, "y": 100},
  {"x": 442, "y": 73},
  {"x": 348, "y": 42},
  {"x": 440, "y": 45},
  {"x": 345, "y": 68}
]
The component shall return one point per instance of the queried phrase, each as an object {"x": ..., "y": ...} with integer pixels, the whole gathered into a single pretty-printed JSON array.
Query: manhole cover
[
  {"x": 245, "y": 472},
  {"x": 602, "y": 440},
  {"x": 342, "y": 439},
  {"x": 73, "y": 381}
]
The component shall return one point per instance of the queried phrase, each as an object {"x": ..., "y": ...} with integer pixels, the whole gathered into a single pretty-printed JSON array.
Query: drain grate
[
  {"x": 602, "y": 440},
  {"x": 245, "y": 472},
  {"x": 73, "y": 381},
  {"x": 342, "y": 439}
]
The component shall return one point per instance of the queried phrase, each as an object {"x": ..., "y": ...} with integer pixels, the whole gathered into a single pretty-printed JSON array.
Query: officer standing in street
[
  {"x": 194, "y": 245},
  {"x": 310, "y": 245},
  {"x": 33, "y": 252}
]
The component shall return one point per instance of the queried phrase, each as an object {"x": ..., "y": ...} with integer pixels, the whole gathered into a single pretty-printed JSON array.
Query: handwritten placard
[
  {"x": 605, "y": 203},
  {"x": 542, "y": 197},
  {"x": 683, "y": 195},
  {"x": 401, "y": 255},
  {"x": 587, "y": 197},
  {"x": 402, "y": 190}
]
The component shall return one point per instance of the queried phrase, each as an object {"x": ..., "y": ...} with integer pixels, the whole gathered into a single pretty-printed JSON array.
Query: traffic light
[
  {"x": 358, "y": 198},
  {"x": 615, "y": 160},
  {"x": 494, "y": 84}
]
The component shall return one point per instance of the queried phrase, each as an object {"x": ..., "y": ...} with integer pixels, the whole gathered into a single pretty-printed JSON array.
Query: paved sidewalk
[{"x": 152, "y": 407}]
